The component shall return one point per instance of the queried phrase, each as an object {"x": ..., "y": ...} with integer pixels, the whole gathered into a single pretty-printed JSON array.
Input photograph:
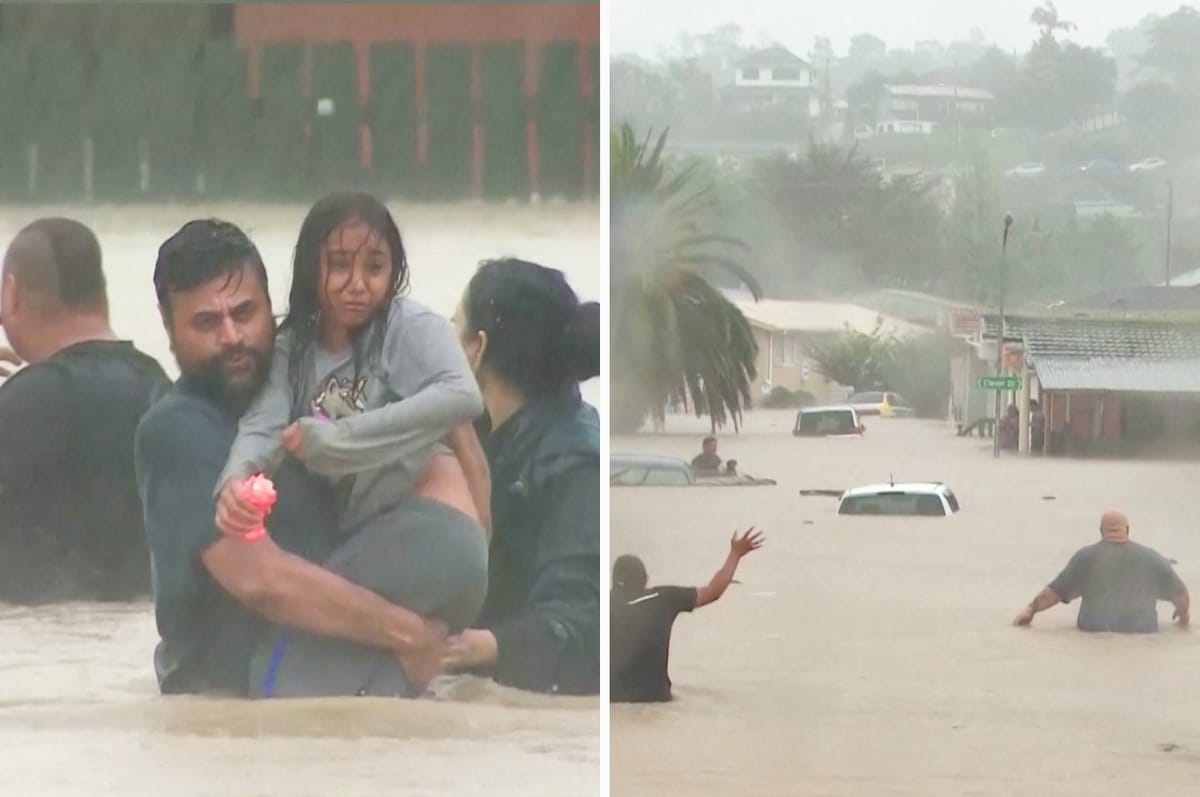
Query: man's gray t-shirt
[{"x": 1120, "y": 583}]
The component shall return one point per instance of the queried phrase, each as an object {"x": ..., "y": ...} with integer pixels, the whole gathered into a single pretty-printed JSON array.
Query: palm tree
[
  {"x": 1045, "y": 17},
  {"x": 674, "y": 335}
]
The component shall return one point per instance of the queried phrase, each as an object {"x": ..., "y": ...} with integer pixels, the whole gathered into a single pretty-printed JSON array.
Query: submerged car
[
  {"x": 834, "y": 421},
  {"x": 913, "y": 499},
  {"x": 1027, "y": 170},
  {"x": 650, "y": 470},
  {"x": 1147, "y": 165},
  {"x": 883, "y": 404}
]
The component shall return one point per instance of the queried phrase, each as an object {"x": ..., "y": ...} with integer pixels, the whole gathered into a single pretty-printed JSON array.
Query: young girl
[{"x": 366, "y": 387}]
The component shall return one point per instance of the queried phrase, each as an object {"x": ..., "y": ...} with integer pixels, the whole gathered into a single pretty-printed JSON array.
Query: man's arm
[
  {"x": 178, "y": 460},
  {"x": 738, "y": 547},
  {"x": 1044, "y": 600},
  {"x": 1064, "y": 588},
  {"x": 1171, "y": 587},
  {"x": 1183, "y": 603},
  {"x": 291, "y": 591}
]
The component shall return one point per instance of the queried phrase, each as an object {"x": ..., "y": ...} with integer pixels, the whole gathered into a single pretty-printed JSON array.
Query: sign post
[{"x": 1002, "y": 383}]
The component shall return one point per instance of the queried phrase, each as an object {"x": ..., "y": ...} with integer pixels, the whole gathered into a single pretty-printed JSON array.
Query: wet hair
[
  {"x": 68, "y": 269},
  {"x": 541, "y": 339},
  {"x": 204, "y": 250},
  {"x": 303, "y": 319},
  {"x": 707, "y": 440},
  {"x": 629, "y": 574}
]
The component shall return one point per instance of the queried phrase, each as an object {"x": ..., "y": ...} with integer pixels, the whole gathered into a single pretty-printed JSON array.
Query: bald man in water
[
  {"x": 70, "y": 516},
  {"x": 1120, "y": 582}
]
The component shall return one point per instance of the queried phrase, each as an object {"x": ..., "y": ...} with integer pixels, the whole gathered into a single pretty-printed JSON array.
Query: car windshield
[
  {"x": 666, "y": 477},
  {"x": 892, "y": 503},
  {"x": 896, "y": 400},
  {"x": 826, "y": 423}
]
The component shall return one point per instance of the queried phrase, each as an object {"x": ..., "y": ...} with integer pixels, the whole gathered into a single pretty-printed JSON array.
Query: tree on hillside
[
  {"x": 864, "y": 97},
  {"x": 1175, "y": 48},
  {"x": 833, "y": 201},
  {"x": 676, "y": 335},
  {"x": 866, "y": 47},
  {"x": 1046, "y": 18}
]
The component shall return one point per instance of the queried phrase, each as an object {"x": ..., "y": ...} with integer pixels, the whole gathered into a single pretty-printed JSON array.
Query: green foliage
[
  {"x": 917, "y": 368},
  {"x": 780, "y": 398},
  {"x": 677, "y": 335}
]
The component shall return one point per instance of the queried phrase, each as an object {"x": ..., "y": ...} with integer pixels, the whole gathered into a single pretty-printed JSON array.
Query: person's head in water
[
  {"x": 1114, "y": 526},
  {"x": 53, "y": 292},
  {"x": 709, "y": 446},
  {"x": 526, "y": 335},
  {"x": 212, "y": 295},
  {"x": 348, "y": 266},
  {"x": 629, "y": 574}
]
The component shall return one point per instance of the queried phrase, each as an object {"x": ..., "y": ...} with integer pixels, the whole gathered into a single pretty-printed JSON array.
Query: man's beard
[{"x": 234, "y": 392}]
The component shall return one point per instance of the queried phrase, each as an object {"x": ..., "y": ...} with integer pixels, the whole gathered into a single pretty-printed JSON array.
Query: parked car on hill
[
  {"x": 1147, "y": 165},
  {"x": 1027, "y": 170}
]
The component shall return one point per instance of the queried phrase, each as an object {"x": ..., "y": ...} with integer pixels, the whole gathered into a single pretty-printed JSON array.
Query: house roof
[
  {"x": 1119, "y": 374},
  {"x": 775, "y": 315},
  {"x": 913, "y": 306},
  {"x": 949, "y": 92},
  {"x": 1188, "y": 279},
  {"x": 778, "y": 55},
  {"x": 1102, "y": 337},
  {"x": 1145, "y": 297}
]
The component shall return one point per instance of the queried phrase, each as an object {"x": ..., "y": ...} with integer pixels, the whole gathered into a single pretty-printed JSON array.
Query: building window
[
  {"x": 749, "y": 73},
  {"x": 786, "y": 347},
  {"x": 785, "y": 74}
]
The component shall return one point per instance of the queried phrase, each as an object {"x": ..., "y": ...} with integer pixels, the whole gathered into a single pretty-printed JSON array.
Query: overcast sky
[{"x": 641, "y": 26}]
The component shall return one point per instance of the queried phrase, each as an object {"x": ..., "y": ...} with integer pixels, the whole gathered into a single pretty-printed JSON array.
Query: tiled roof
[
  {"x": 1115, "y": 354},
  {"x": 1102, "y": 337},
  {"x": 1119, "y": 374}
]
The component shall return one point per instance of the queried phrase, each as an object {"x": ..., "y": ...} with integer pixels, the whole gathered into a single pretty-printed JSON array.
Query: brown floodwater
[
  {"x": 80, "y": 712},
  {"x": 875, "y": 656}
]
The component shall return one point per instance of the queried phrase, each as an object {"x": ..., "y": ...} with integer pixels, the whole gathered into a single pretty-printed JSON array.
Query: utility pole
[
  {"x": 1170, "y": 213},
  {"x": 1008, "y": 220}
]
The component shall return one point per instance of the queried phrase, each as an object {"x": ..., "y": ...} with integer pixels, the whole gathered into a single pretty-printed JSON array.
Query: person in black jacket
[{"x": 531, "y": 342}]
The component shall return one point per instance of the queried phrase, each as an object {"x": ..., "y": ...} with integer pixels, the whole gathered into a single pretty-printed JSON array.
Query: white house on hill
[{"x": 774, "y": 76}]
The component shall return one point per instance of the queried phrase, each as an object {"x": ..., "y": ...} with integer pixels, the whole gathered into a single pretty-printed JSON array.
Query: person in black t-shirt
[
  {"x": 641, "y": 620},
  {"x": 70, "y": 517}
]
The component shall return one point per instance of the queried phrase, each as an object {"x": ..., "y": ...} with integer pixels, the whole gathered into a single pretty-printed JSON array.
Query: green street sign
[{"x": 1000, "y": 382}]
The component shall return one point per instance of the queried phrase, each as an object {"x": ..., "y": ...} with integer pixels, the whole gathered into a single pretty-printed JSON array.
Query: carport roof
[{"x": 1118, "y": 375}]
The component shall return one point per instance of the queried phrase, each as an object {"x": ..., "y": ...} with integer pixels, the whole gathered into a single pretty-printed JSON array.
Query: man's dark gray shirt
[
  {"x": 207, "y": 638},
  {"x": 1120, "y": 583}
]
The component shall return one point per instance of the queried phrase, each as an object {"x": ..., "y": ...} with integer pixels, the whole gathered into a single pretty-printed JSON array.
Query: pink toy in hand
[{"x": 259, "y": 492}]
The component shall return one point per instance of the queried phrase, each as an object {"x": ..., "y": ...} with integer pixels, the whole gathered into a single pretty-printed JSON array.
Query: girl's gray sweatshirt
[{"x": 385, "y": 425}]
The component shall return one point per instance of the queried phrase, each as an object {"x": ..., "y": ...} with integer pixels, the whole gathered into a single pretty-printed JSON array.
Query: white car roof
[
  {"x": 829, "y": 408},
  {"x": 915, "y": 488}
]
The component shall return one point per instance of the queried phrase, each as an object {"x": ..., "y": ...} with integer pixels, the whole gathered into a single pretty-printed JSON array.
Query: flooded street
[
  {"x": 80, "y": 712},
  {"x": 875, "y": 656}
]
